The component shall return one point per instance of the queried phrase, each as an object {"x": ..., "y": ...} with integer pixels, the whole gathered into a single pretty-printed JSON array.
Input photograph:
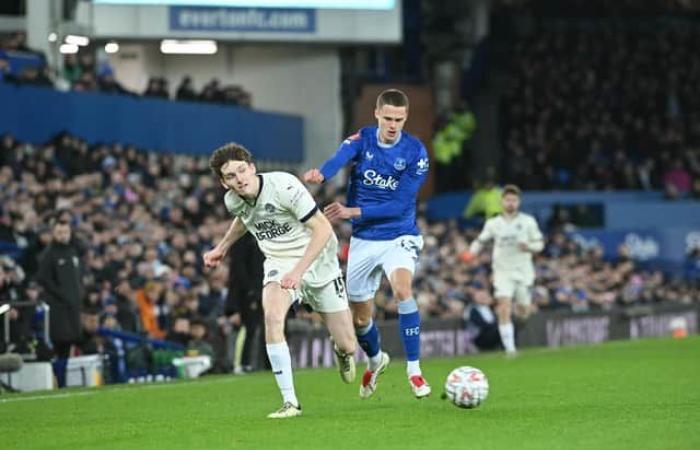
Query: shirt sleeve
[
  {"x": 486, "y": 233},
  {"x": 297, "y": 199},
  {"x": 535, "y": 238},
  {"x": 347, "y": 151},
  {"x": 410, "y": 182}
]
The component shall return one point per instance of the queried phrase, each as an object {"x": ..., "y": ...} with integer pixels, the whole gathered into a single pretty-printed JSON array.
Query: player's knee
[
  {"x": 503, "y": 309},
  {"x": 523, "y": 311},
  {"x": 274, "y": 320},
  {"x": 360, "y": 321},
  {"x": 402, "y": 291},
  {"x": 361, "y": 314}
]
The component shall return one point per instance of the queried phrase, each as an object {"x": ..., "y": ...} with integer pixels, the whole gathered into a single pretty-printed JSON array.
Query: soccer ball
[{"x": 466, "y": 387}]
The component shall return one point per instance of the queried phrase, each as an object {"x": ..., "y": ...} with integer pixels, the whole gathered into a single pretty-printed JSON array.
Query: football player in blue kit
[{"x": 388, "y": 168}]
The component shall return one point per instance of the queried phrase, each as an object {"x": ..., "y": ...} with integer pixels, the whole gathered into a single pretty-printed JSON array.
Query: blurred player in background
[
  {"x": 516, "y": 238},
  {"x": 388, "y": 168},
  {"x": 301, "y": 260}
]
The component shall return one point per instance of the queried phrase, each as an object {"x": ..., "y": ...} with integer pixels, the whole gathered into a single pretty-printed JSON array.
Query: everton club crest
[{"x": 400, "y": 164}]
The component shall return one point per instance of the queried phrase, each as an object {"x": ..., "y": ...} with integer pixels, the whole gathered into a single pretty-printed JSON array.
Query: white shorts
[
  {"x": 508, "y": 286},
  {"x": 368, "y": 259},
  {"x": 327, "y": 298}
]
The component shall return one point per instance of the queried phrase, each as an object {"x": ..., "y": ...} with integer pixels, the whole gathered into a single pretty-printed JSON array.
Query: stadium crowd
[
  {"x": 141, "y": 222},
  {"x": 83, "y": 72},
  {"x": 587, "y": 108}
]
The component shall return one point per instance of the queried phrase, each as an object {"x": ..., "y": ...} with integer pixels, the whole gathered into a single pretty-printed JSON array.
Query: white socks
[
  {"x": 373, "y": 361},
  {"x": 281, "y": 362},
  {"x": 507, "y": 336},
  {"x": 413, "y": 368}
]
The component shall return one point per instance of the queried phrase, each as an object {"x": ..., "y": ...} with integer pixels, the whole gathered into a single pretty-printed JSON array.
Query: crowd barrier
[
  {"x": 448, "y": 338},
  {"x": 35, "y": 114}
]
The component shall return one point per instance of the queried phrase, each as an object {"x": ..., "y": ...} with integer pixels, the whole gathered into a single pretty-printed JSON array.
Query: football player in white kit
[
  {"x": 301, "y": 262},
  {"x": 516, "y": 238}
]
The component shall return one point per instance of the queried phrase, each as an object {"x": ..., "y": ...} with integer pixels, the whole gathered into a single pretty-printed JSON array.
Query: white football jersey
[
  {"x": 276, "y": 218},
  {"x": 507, "y": 234}
]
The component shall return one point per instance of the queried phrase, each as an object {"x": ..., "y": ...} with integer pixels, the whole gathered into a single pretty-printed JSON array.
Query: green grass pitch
[{"x": 622, "y": 395}]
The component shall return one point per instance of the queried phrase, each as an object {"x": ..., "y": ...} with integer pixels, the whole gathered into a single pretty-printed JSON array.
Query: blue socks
[
  {"x": 368, "y": 337},
  {"x": 409, "y": 325}
]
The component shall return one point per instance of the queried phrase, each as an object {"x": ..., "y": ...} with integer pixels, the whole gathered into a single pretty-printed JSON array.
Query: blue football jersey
[{"x": 384, "y": 182}]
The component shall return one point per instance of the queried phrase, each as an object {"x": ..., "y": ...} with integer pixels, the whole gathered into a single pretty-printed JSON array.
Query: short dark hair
[
  {"x": 510, "y": 189},
  {"x": 229, "y": 152},
  {"x": 393, "y": 97},
  {"x": 59, "y": 218}
]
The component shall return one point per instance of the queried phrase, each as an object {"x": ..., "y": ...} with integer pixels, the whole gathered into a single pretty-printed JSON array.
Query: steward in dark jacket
[{"x": 60, "y": 275}]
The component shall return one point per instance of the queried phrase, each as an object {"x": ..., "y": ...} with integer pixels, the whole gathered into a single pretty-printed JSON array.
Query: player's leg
[
  {"x": 366, "y": 330},
  {"x": 504, "y": 311},
  {"x": 276, "y": 303},
  {"x": 364, "y": 276},
  {"x": 401, "y": 281},
  {"x": 331, "y": 302},
  {"x": 523, "y": 302},
  {"x": 342, "y": 333},
  {"x": 368, "y": 337},
  {"x": 504, "y": 290},
  {"x": 399, "y": 264}
]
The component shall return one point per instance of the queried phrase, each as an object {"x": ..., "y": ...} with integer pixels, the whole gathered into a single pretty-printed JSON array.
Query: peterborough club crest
[
  {"x": 400, "y": 164},
  {"x": 269, "y": 207}
]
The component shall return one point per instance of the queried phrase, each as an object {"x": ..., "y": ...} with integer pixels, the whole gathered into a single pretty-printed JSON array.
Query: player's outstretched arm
[
  {"x": 345, "y": 152},
  {"x": 321, "y": 232},
  {"x": 478, "y": 244},
  {"x": 213, "y": 257}
]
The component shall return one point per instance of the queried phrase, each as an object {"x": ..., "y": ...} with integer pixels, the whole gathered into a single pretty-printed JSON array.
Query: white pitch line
[
  {"x": 118, "y": 388},
  {"x": 42, "y": 397}
]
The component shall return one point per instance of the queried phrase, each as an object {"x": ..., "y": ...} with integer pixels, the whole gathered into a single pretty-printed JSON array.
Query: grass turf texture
[{"x": 622, "y": 395}]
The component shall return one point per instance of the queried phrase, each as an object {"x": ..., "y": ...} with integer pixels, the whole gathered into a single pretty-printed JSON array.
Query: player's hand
[
  {"x": 337, "y": 211},
  {"x": 313, "y": 176},
  {"x": 213, "y": 257},
  {"x": 291, "y": 280},
  {"x": 468, "y": 258}
]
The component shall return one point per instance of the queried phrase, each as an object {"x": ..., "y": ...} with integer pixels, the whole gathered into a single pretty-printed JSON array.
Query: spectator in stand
[
  {"x": 579, "y": 115},
  {"x": 72, "y": 71},
  {"x": 90, "y": 343},
  {"x": 211, "y": 92},
  {"x": 197, "y": 345},
  {"x": 185, "y": 91},
  {"x": 157, "y": 87},
  {"x": 481, "y": 321},
  {"x": 677, "y": 180},
  {"x": 148, "y": 299},
  {"x": 180, "y": 332},
  {"x": 86, "y": 83},
  {"x": 107, "y": 83}
]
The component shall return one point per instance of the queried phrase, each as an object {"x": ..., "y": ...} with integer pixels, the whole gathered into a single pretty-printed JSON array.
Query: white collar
[{"x": 383, "y": 145}]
